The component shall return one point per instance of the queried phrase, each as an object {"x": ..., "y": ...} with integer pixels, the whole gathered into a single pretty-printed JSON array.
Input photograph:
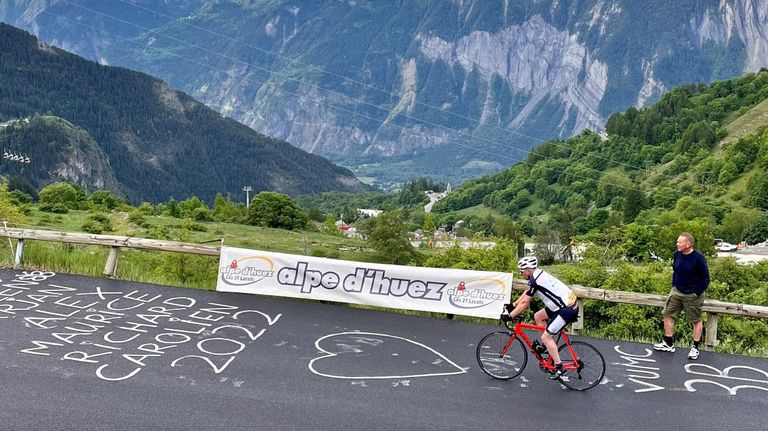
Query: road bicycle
[{"x": 503, "y": 355}]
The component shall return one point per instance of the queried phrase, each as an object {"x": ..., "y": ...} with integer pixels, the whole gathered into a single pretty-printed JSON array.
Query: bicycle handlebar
[{"x": 509, "y": 322}]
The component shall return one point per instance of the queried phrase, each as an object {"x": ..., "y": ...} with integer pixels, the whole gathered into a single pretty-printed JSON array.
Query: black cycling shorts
[{"x": 558, "y": 319}]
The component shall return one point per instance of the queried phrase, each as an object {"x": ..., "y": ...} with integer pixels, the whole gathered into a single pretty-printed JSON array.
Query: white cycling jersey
[{"x": 553, "y": 292}]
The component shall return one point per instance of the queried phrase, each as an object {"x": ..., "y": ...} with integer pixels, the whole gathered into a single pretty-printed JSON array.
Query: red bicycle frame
[{"x": 544, "y": 363}]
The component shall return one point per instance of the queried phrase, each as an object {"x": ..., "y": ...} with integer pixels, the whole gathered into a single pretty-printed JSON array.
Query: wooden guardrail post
[
  {"x": 711, "y": 340},
  {"x": 19, "y": 253},
  {"x": 579, "y": 324},
  {"x": 110, "y": 269}
]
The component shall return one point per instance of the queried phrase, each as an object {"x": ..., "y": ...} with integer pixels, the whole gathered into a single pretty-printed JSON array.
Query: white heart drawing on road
[{"x": 328, "y": 354}]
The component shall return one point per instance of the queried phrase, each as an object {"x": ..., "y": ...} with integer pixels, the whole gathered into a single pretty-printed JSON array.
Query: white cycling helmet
[{"x": 528, "y": 262}]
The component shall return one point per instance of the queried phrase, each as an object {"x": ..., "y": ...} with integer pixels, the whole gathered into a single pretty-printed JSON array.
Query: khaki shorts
[{"x": 688, "y": 302}]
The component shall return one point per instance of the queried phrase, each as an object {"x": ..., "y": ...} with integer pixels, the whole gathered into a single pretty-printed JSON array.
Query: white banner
[{"x": 455, "y": 291}]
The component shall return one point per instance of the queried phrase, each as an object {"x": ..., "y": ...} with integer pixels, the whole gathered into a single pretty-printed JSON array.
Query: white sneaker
[
  {"x": 693, "y": 354},
  {"x": 664, "y": 347}
]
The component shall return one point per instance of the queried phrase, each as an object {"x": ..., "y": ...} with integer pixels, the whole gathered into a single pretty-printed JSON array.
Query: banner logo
[
  {"x": 477, "y": 293},
  {"x": 248, "y": 270}
]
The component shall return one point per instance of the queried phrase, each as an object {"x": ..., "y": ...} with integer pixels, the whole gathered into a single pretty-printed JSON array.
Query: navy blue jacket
[{"x": 690, "y": 272}]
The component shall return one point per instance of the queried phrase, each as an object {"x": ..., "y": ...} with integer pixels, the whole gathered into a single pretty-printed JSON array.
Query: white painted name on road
[
  {"x": 639, "y": 365},
  {"x": 726, "y": 375},
  {"x": 120, "y": 333},
  {"x": 642, "y": 369}
]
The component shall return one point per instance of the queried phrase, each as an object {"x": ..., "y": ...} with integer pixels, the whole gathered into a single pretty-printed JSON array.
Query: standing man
[{"x": 690, "y": 278}]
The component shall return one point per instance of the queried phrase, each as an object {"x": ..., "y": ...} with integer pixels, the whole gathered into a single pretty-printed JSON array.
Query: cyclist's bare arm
[{"x": 520, "y": 305}]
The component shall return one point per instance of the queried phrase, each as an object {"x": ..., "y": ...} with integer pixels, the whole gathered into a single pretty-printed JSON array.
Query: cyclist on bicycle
[{"x": 560, "y": 304}]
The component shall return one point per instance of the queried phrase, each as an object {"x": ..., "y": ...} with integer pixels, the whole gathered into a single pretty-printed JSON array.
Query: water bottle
[{"x": 538, "y": 347}]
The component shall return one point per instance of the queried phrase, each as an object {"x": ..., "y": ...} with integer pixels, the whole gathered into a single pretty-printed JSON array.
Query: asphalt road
[{"x": 82, "y": 353}]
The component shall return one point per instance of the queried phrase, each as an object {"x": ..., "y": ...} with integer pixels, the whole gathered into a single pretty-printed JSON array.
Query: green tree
[
  {"x": 276, "y": 210},
  {"x": 315, "y": 214},
  {"x": 510, "y": 230},
  {"x": 137, "y": 217},
  {"x": 736, "y": 223},
  {"x": 728, "y": 173},
  {"x": 104, "y": 199},
  {"x": 18, "y": 197},
  {"x": 664, "y": 197},
  {"x": 547, "y": 246},
  {"x": 190, "y": 207},
  {"x": 65, "y": 194},
  {"x": 758, "y": 231},
  {"x": 146, "y": 208},
  {"x": 637, "y": 242},
  {"x": 23, "y": 185},
  {"x": 224, "y": 210},
  {"x": 501, "y": 257},
  {"x": 201, "y": 214},
  {"x": 329, "y": 226},
  {"x": 757, "y": 190},
  {"x": 388, "y": 235},
  {"x": 691, "y": 208},
  {"x": 186, "y": 268},
  {"x": 430, "y": 225},
  {"x": 696, "y": 136},
  {"x": 172, "y": 208},
  {"x": 634, "y": 203},
  {"x": 8, "y": 211}
]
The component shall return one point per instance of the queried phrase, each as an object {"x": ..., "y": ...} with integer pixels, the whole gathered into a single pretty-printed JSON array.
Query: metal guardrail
[{"x": 713, "y": 308}]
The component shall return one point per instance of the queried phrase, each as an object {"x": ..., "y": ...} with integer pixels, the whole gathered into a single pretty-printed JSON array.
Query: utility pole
[{"x": 247, "y": 190}]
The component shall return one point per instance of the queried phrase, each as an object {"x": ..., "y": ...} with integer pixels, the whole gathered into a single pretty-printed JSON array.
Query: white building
[
  {"x": 369, "y": 212},
  {"x": 434, "y": 197}
]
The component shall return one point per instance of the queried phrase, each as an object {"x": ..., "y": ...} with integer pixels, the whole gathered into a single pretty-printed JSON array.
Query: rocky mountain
[
  {"x": 395, "y": 90},
  {"x": 111, "y": 128},
  {"x": 60, "y": 150}
]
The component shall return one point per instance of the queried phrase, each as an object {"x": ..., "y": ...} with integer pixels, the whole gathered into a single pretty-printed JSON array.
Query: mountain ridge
[
  {"x": 398, "y": 90},
  {"x": 159, "y": 142}
]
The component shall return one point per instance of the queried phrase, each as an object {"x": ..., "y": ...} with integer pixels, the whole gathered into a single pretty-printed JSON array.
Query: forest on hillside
[
  {"x": 658, "y": 169},
  {"x": 158, "y": 142}
]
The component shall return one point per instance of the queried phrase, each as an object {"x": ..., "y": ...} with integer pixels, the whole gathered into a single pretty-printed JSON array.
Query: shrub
[
  {"x": 145, "y": 208},
  {"x": 103, "y": 199},
  {"x": 189, "y": 224},
  {"x": 137, "y": 217},
  {"x": 98, "y": 223},
  {"x": 93, "y": 227},
  {"x": 45, "y": 219},
  {"x": 69, "y": 195},
  {"x": 17, "y": 197},
  {"x": 157, "y": 232},
  {"x": 325, "y": 252},
  {"x": 201, "y": 214},
  {"x": 276, "y": 210},
  {"x": 54, "y": 208}
]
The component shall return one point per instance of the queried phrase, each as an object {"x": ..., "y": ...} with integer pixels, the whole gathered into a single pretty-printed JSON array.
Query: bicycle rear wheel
[
  {"x": 498, "y": 363},
  {"x": 590, "y": 370}
]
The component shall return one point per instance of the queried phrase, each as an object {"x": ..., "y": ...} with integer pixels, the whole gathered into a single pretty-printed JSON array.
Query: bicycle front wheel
[
  {"x": 499, "y": 360},
  {"x": 584, "y": 371}
]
